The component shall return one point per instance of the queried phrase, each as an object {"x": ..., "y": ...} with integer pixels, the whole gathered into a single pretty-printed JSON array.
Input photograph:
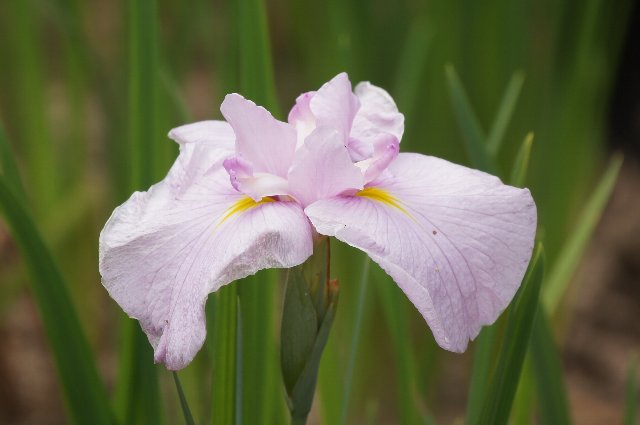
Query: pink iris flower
[{"x": 253, "y": 193}]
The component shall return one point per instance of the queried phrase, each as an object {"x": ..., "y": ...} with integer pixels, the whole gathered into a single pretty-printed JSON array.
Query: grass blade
[
  {"x": 138, "y": 395},
  {"x": 631, "y": 396},
  {"x": 469, "y": 125},
  {"x": 255, "y": 67},
  {"x": 257, "y": 294},
  {"x": 355, "y": 341},
  {"x": 501, "y": 390},
  {"x": 484, "y": 354},
  {"x": 547, "y": 370},
  {"x": 411, "y": 68},
  {"x": 521, "y": 163},
  {"x": 505, "y": 111},
  {"x": 394, "y": 307},
  {"x": 86, "y": 398},
  {"x": 571, "y": 253},
  {"x": 186, "y": 411},
  {"x": 8, "y": 167},
  {"x": 224, "y": 337}
]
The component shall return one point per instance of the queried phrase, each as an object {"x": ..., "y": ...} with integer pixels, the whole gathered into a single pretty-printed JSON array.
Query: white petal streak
[
  {"x": 459, "y": 249},
  {"x": 163, "y": 251}
]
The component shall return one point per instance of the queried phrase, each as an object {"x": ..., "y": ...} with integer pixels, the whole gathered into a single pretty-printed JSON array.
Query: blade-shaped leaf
[
  {"x": 396, "y": 313},
  {"x": 260, "y": 358},
  {"x": 474, "y": 137},
  {"x": 87, "y": 402},
  {"x": 501, "y": 390},
  {"x": 224, "y": 337},
  {"x": 547, "y": 369},
  {"x": 137, "y": 392},
  {"x": 484, "y": 354},
  {"x": 505, "y": 111},
  {"x": 631, "y": 396},
  {"x": 571, "y": 253},
  {"x": 521, "y": 163},
  {"x": 186, "y": 411},
  {"x": 8, "y": 167},
  {"x": 355, "y": 340}
]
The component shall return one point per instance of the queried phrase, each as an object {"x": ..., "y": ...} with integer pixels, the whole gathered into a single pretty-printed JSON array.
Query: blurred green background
[{"x": 89, "y": 90}]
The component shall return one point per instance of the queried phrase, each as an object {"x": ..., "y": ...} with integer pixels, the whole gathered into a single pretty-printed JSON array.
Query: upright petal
[
  {"x": 378, "y": 113},
  {"x": 302, "y": 118},
  {"x": 335, "y": 105},
  {"x": 457, "y": 241},
  {"x": 322, "y": 168},
  {"x": 267, "y": 143},
  {"x": 163, "y": 251}
]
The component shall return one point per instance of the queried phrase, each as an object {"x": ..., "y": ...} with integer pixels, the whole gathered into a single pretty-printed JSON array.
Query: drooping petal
[
  {"x": 268, "y": 144},
  {"x": 378, "y": 113},
  {"x": 322, "y": 168},
  {"x": 302, "y": 118},
  {"x": 163, "y": 251},
  {"x": 457, "y": 241},
  {"x": 335, "y": 105}
]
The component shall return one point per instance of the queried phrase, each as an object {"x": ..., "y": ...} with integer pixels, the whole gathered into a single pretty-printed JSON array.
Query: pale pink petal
[
  {"x": 267, "y": 143},
  {"x": 378, "y": 113},
  {"x": 163, "y": 251},
  {"x": 385, "y": 150},
  {"x": 254, "y": 185},
  {"x": 215, "y": 133},
  {"x": 335, "y": 105},
  {"x": 457, "y": 241},
  {"x": 302, "y": 118},
  {"x": 322, "y": 168}
]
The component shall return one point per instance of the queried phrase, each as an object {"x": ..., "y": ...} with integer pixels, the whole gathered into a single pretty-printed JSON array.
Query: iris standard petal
[
  {"x": 457, "y": 241},
  {"x": 378, "y": 113},
  {"x": 267, "y": 143},
  {"x": 322, "y": 168},
  {"x": 335, "y": 105},
  {"x": 302, "y": 118},
  {"x": 163, "y": 251}
]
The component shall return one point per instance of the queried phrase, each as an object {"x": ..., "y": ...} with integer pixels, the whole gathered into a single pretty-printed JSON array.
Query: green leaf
[
  {"x": 484, "y": 355},
  {"x": 255, "y": 67},
  {"x": 474, "y": 138},
  {"x": 411, "y": 68},
  {"x": 503, "y": 385},
  {"x": 257, "y": 299},
  {"x": 631, "y": 396},
  {"x": 137, "y": 391},
  {"x": 84, "y": 392},
  {"x": 299, "y": 328},
  {"x": 8, "y": 167},
  {"x": 355, "y": 340},
  {"x": 186, "y": 411},
  {"x": 225, "y": 360},
  {"x": 572, "y": 250},
  {"x": 547, "y": 369},
  {"x": 521, "y": 163},
  {"x": 396, "y": 313},
  {"x": 305, "y": 387},
  {"x": 505, "y": 111}
]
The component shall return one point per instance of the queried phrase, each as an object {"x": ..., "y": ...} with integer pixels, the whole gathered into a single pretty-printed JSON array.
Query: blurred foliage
[{"x": 89, "y": 89}]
